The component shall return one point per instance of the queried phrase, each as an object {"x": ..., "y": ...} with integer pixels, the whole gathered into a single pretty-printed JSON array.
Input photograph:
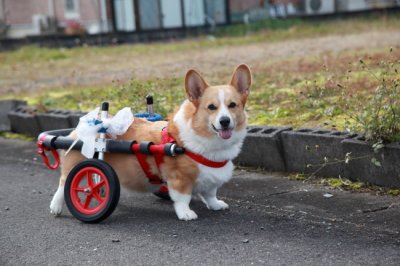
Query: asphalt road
[{"x": 271, "y": 221}]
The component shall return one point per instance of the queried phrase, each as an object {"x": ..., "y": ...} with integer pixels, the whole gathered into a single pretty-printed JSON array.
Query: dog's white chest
[{"x": 210, "y": 178}]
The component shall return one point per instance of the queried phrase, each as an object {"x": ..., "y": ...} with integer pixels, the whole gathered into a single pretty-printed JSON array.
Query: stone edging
[
  {"x": 307, "y": 150},
  {"x": 271, "y": 148}
]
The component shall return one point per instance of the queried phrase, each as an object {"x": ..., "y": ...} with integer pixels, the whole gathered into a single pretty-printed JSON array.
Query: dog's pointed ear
[
  {"x": 195, "y": 85},
  {"x": 241, "y": 80}
]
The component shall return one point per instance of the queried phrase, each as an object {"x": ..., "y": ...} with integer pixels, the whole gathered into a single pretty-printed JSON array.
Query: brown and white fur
[{"x": 211, "y": 122}]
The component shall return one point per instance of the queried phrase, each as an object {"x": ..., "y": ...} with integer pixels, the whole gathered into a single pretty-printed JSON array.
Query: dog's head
[{"x": 219, "y": 109}]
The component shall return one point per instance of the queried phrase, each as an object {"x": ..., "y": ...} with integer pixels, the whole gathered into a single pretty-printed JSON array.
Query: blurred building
[
  {"x": 39, "y": 17},
  {"x": 137, "y": 15},
  {"x": 326, "y": 7},
  {"x": 21, "y": 18}
]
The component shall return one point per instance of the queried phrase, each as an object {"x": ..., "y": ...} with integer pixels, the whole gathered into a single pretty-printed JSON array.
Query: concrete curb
[
  {"x": 388, "y": 174},
  {"x": 5, "y": 107},
  {"x": 263, "y": 148},
  {"x": 23, "y": 120},
  {"x": 74, "y": 118},
  {"x": 320, "y": 152},
  {"x": 282, "y": 149},
  {"x": 28, "y": 121},
  {"x": 54, "y": 119},
  {"x": 306, "y": 150}
]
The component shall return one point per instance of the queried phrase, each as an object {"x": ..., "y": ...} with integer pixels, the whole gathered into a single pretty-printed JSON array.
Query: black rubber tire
[
  {"x": 161, "y": 195},
  {"x": 114, "y": 191}
]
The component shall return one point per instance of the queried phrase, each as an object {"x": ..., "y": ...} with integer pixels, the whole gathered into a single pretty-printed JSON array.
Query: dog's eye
[
  {"x": 212, "y": 107},
  {"x": 232, "y": 105}
]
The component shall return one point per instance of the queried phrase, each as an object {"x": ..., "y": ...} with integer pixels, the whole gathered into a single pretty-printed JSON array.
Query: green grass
[
  {"x": 9, "y": 135},
  {"x": 167, "y": 93},
  {"x": 279, "y": 98}
]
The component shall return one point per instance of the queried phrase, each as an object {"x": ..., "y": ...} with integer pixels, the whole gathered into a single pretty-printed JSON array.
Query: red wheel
[{"x": 92, "y": 191}]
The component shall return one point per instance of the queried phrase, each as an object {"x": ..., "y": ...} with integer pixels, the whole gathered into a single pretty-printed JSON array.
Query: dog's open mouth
[{"x": 223, "y": 133}]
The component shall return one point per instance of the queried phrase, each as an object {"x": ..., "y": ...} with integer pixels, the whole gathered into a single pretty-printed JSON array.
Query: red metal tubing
[
  {"x": 157, "y": 149},
  {"x": 154, "y": 149},
  {"x": 135, "y": 148}
]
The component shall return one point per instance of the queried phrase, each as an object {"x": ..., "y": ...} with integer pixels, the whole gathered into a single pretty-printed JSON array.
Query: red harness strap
[
  {"x": 204, "y": 161},
  {"x": 153, "y": 179},
  {"x": 166, "y": 138},
  {"x": 159, "y": 158}
]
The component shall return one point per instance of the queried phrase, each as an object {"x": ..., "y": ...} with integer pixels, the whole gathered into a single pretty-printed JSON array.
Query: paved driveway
[{"x": 272, "y": 221}]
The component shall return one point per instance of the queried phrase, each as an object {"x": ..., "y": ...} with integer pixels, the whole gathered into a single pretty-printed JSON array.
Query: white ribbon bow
[{"x": 89, "y": 126}]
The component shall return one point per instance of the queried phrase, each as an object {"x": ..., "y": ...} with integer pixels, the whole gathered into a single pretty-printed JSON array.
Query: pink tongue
[{"x": 225, "y": 133}]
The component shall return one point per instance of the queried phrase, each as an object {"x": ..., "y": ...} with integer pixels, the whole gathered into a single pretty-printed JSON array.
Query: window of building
[{"x": 71, "y": 9}]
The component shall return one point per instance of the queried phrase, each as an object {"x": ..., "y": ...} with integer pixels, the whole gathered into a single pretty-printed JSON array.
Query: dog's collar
[{"x": 166, "y": 138}]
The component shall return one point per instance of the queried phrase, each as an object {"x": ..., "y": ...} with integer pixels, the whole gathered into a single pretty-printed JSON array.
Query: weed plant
[
  {"x": 377, "y": 115},
  {"x": 374, "y": 115}
]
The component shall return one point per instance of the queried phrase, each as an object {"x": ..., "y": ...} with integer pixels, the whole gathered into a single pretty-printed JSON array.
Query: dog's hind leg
[
  {"x": 67, "y": 163},
  {"x": 211, "y": 201},
  {"x": 57, "y": 202}
]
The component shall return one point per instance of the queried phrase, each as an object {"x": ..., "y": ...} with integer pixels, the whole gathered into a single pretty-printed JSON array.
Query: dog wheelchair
[{"x": 92, "y": 188}]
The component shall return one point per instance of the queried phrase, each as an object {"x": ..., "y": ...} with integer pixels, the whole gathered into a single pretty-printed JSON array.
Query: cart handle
[{"x": 42, "y": 152}]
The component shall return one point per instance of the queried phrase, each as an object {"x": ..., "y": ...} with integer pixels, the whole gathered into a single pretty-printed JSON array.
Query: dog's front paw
[
  {"x": 217, "y": 205},
  {"x": 187, "y": 215}
]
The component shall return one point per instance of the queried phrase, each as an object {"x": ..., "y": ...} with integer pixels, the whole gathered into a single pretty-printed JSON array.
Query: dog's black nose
[{"x": 225, "y": 121}]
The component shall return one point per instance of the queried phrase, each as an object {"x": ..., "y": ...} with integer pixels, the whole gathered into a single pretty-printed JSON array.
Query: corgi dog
[{"x": 210, "y": 123}]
